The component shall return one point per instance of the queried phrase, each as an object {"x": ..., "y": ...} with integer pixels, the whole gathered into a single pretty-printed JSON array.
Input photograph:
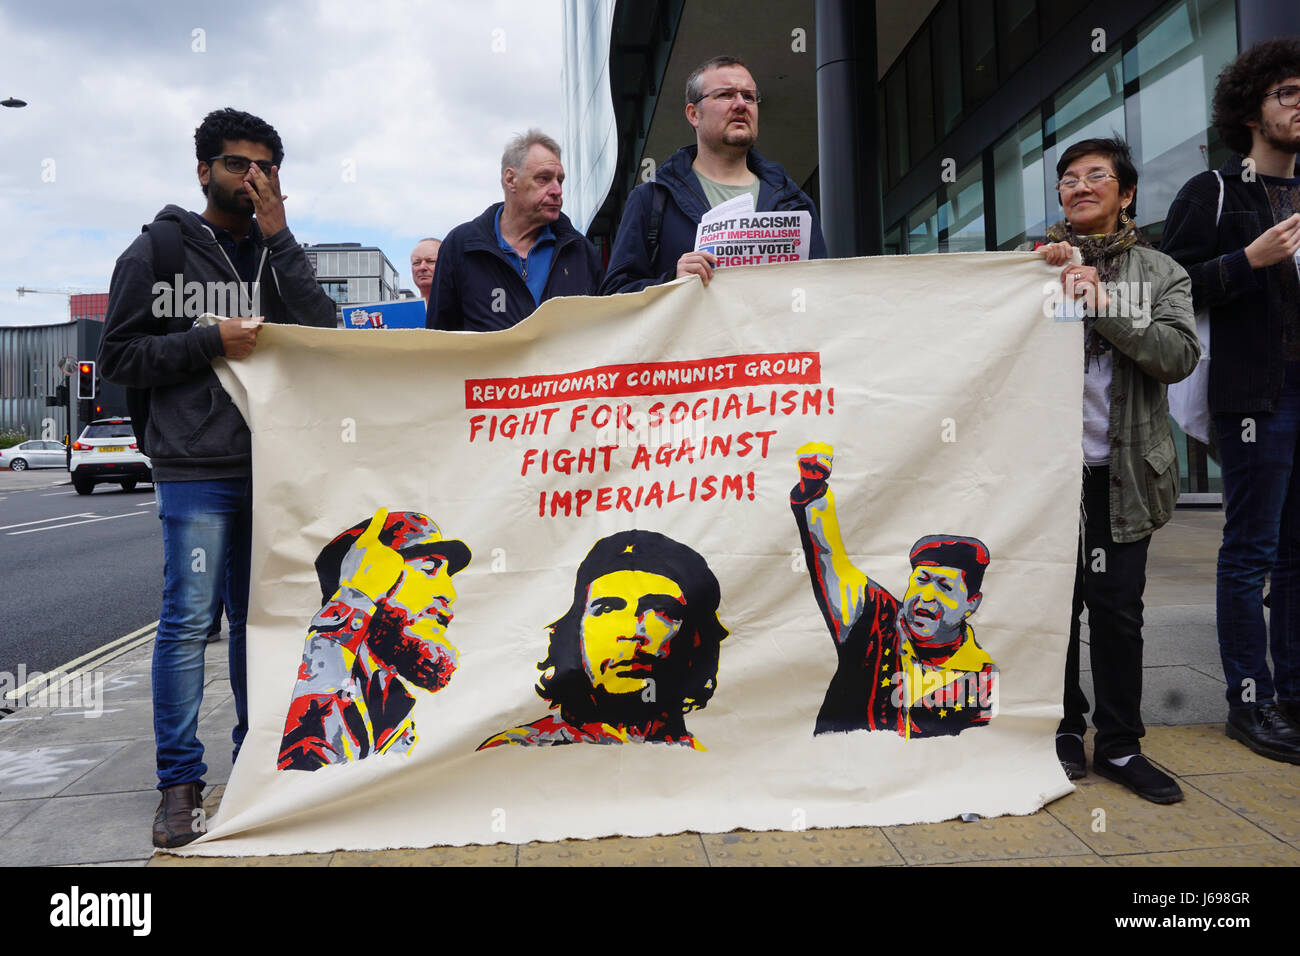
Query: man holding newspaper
[{"x": 716, "y": 203}]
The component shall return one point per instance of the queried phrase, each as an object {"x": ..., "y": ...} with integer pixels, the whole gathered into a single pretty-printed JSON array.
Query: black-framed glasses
[
  {"x": 1094, "y": 179},
  {"x": 1286, "y": 95},
  {"x": 727, "y": 94},
  {"x": 239, "y": 164}
]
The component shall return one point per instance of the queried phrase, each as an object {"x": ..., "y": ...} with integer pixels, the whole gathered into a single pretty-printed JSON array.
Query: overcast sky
[{"x": 415, "y": 98}]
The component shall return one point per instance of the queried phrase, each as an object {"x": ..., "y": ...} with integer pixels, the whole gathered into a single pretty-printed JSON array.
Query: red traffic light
[{"x": 86, "y": 379}]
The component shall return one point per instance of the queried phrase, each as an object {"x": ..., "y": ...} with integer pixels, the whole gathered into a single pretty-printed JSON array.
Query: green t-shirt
[{"x": 717, "y": 193}]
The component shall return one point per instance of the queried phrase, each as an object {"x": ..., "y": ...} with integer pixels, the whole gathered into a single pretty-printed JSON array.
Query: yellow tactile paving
[
  {"x": 1200, "y": 748},
  {"x": 1087, "y": 859},
  {"x": 1003, "y": 838},
  {"x": 681, "y": 850},
  {"x": 857, "y": 846},
  {"x": 293, "y": 859},
  {"x": 1111, "y": 820},
  {"x": 1268, "y": 798},
  {"x": 500, "y": 854},
  {"x": 1260, "y": 854}
]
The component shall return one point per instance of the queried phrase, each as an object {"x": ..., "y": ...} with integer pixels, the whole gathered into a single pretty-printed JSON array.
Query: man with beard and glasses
[
  {"x": 1237, "y": 233},
  {"x": 913, "y": 666},
  {"x": 656, "y": 236},
  {"x": 236, "y": 258},
  {"x": 636, "y": 652},
  {"x": 386, "y": 596}
]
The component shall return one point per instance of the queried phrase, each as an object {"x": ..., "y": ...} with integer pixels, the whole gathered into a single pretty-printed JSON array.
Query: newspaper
[{"x": 739, "y": 236}]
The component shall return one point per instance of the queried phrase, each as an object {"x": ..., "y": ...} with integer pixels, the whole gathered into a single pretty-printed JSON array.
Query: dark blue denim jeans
[
  {"x": 207, "y": 538},
  {"x": 1261, "y": 535}
]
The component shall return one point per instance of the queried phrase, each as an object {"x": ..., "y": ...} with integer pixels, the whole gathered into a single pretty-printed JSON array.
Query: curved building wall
[{"x": 590, "y": 142}]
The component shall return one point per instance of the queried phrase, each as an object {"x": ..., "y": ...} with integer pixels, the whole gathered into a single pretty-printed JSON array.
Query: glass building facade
[
  {"x": 1152, "y": 86},
  {"x": 351, "y": 273}
]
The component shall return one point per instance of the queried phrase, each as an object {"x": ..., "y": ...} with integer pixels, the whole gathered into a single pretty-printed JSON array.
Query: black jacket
[
  {"x": 477, "y": 289},
  {"x": 630, "y": 268},
  {"x": 194, "y": 431},
  {"x": 1247, "y": 362}
]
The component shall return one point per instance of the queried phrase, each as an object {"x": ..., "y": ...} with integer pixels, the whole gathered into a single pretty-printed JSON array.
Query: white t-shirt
[{"x": 1096, "y": 410}]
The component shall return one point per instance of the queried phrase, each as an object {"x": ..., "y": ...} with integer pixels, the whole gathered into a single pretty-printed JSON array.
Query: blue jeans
[
  {"x": 207, "y": 538},
  {"x": 1261, "y": 534}
]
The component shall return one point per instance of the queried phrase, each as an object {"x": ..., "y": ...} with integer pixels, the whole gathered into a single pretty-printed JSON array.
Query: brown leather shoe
[{"x": 176, "y": 823}]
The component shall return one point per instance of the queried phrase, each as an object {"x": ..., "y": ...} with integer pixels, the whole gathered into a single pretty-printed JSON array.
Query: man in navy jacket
[
  {"x": 722, "y": 104},
  {"x": 493, "y": 271},
  {"x": 1238, "y": 236}
]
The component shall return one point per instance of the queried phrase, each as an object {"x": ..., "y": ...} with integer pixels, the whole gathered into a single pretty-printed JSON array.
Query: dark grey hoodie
[{"x": 195, "y": 432}]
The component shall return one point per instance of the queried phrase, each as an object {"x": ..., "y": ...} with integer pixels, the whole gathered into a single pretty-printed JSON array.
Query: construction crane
[{"x": 23, "y": 290}]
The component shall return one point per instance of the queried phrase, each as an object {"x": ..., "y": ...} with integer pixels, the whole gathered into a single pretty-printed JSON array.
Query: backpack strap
[
  {"x": 168, "y": 249},
  {"x": 1219, "y": 213},
  {"x": 657, "y": 207}
]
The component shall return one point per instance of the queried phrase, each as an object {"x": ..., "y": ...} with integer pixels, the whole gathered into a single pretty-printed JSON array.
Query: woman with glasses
[{"x": 1139, "y": 336}]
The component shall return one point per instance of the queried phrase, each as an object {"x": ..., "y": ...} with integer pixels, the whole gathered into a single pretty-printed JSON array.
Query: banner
[{"x": 793, "y": 550}]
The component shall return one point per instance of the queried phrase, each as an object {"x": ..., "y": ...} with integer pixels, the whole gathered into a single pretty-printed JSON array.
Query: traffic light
[
  {"x": 60, "y": 397},
  {"x": 85, "y": 380}
]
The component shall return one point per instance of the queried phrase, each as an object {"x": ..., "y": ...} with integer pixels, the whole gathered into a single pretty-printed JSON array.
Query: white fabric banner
[{"x": 793, "y": 550}]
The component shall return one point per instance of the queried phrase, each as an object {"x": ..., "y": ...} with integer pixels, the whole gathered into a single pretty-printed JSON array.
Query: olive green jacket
[{"x": 1153, "y": 330}]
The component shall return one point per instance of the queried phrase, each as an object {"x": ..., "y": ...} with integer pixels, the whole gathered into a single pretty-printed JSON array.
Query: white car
[
  {"x": 34, "y": 454},
  {"x": 107, "y": 452}
]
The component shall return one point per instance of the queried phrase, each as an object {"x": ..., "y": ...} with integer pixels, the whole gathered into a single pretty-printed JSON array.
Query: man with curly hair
[
  {"x": 1237, "y": 232},
  {"x": 236, "y": 258},
  {"x": 636, "y": 651}
]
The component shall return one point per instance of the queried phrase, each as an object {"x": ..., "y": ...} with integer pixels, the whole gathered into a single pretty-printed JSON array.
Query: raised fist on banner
[{"x": 815, "y": 460}]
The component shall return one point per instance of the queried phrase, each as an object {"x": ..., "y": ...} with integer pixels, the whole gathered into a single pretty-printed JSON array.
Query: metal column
[{"x": 848, "y": 144}]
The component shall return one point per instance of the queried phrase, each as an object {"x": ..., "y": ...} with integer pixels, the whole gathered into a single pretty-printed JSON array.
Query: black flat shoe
[
  {"x": 1069, "y": 750},
  {"x": 1142, "y": 778}
]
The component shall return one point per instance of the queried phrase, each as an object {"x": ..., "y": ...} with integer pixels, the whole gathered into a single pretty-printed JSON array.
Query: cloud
[{"x": 393, "y": 116}]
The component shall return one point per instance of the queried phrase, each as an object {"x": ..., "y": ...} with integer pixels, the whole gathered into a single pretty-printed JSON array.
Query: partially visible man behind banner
[{"x": 620, "y": 470}]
